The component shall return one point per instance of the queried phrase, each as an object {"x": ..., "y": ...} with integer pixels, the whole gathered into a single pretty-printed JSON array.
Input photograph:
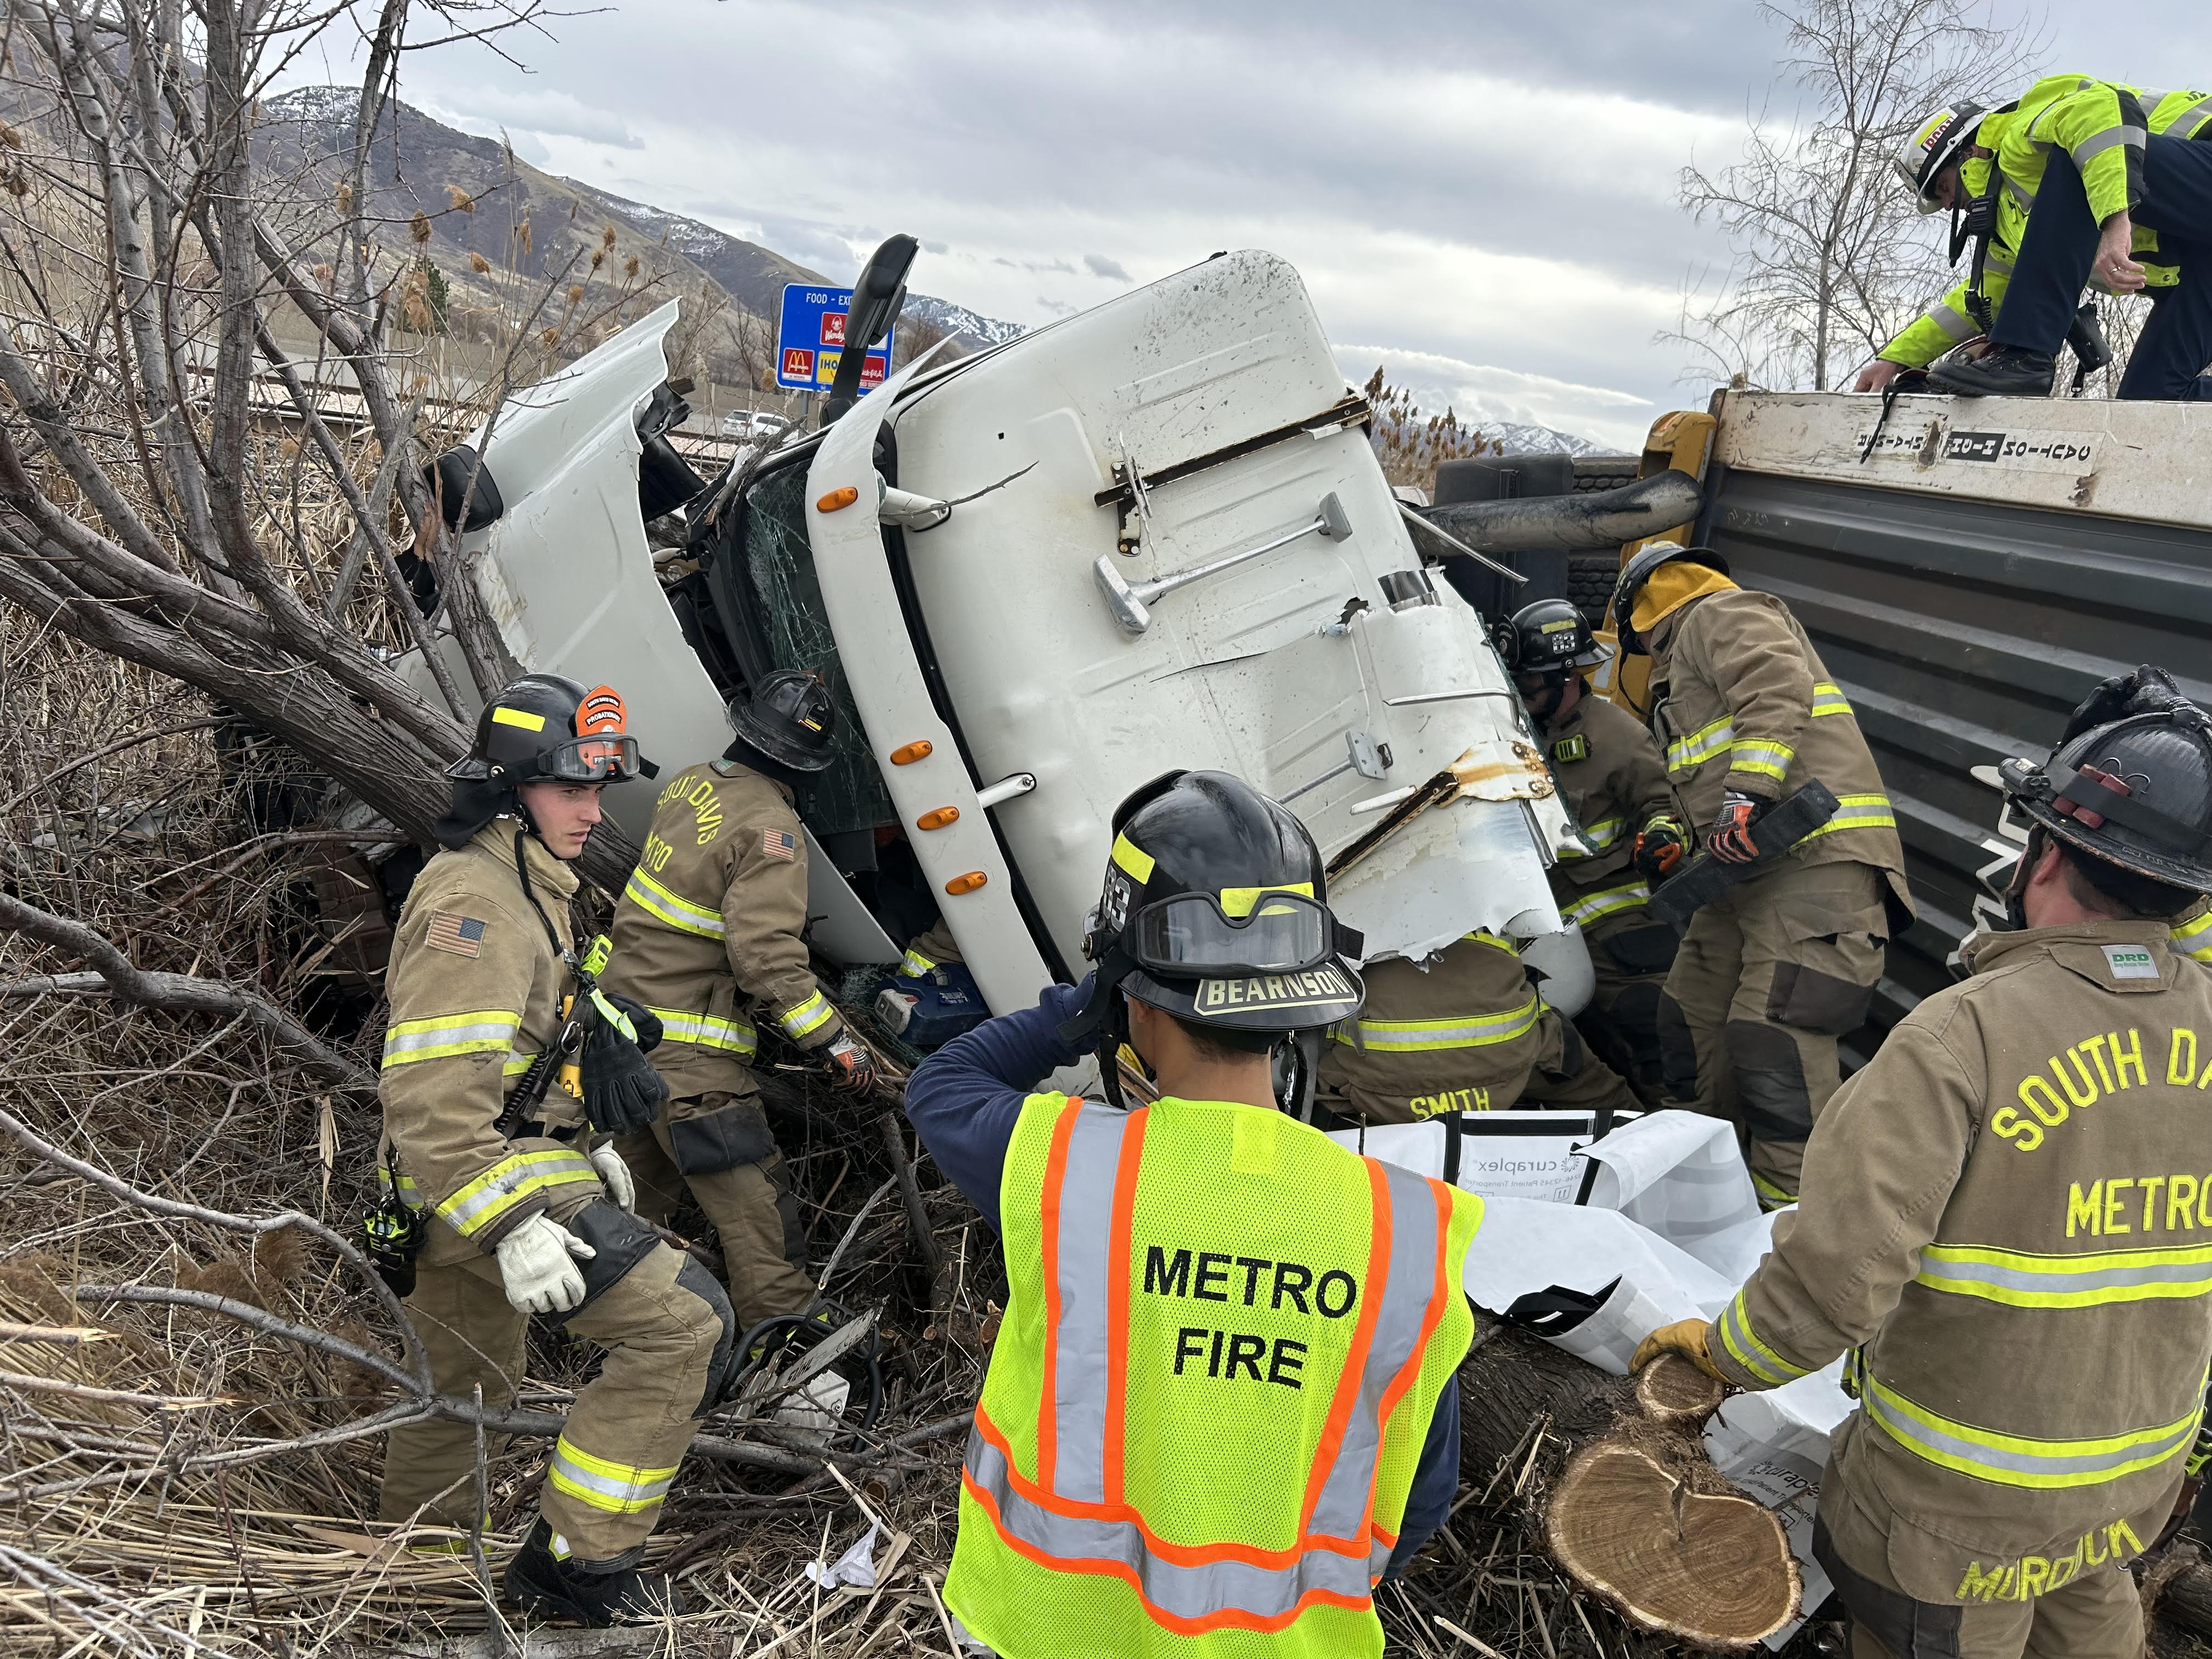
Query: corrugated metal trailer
[{"x": 1966, "y": 583}]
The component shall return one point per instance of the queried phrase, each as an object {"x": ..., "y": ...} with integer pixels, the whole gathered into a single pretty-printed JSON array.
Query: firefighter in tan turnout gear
[
  {"x": 500, "y": 1198},
  {"x": 1614, "y": 782},
  {"x": 2008, "y": 1224},
  {"x": 708, "y": 938},
  {"x": 1773, "y": 971}
]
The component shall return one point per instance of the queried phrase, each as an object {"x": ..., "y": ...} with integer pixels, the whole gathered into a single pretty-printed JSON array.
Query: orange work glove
[
  {"x": 1660, "y": 848},
  {"x": 1729, "y": 839}
]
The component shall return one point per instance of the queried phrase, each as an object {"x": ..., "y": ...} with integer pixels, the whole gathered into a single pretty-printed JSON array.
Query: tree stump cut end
[
  {"x": 1672, "y": 1391},
  {"x": 1672, "y": 1547}
]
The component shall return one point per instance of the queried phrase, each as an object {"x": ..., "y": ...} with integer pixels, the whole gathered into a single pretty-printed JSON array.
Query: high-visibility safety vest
[{"x": 1224, "y": 1341}]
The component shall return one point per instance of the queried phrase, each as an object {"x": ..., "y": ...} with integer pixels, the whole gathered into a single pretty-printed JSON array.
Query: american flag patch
[
  {"x": 780, "y": 844},
  {"x": 450, "y": 931}
]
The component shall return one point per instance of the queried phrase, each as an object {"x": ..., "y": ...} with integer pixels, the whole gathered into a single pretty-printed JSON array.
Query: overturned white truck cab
[{"x": 1152, "y": 535}]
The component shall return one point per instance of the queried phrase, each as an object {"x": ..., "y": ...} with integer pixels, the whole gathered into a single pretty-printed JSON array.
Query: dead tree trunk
[{"x": 1631, "y": 1510}]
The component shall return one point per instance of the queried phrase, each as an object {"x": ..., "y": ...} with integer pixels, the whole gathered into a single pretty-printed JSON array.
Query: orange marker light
[
  {"x": 937, "y": 817},
  {"x": 907, "y": 753},
  {"x": 841, "y": 497},
  {"x": 967, "y": 883}
]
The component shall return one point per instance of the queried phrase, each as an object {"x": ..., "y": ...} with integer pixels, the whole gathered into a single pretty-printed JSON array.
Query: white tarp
[{"x": 1671, "y": 1229}]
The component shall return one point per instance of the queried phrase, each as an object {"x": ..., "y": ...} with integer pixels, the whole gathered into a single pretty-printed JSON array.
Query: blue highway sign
[{"x": 813, "y": 338}]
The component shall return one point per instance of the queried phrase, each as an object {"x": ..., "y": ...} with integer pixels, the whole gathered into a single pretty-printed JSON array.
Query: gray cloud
[{"x": 1491, "y": 188}]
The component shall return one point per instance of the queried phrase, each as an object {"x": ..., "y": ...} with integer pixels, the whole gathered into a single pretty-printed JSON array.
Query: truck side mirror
[{"x": 877, "y": 299}]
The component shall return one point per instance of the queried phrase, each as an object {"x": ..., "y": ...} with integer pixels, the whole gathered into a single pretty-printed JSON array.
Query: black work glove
[
  {"x": 1660, "y": 848},
  {"x": 2147, "y": 691},
  {"x": 643, "y": 1021},
  {"x": 622, "y": 1093},
  {"x": 1729, "y": 839}
]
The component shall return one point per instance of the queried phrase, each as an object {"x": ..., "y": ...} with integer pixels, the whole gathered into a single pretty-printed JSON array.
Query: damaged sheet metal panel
[{"x": 1163, "y": 433}]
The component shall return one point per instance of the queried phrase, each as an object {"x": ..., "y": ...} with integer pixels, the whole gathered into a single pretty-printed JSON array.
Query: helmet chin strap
[{"x": 2016, "y": 889}]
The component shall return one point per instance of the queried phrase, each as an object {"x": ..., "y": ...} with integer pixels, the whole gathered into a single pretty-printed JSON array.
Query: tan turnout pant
[
  {"x": 751, "y": 1204},
  {"x": 1768, "y": 976},
  {"x": 666, "y": 1329},
  {"x": 2097, "y": 1615}
]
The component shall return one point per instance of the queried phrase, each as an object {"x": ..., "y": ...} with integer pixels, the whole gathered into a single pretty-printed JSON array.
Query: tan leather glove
[{"x": 1685, "y": 1337}]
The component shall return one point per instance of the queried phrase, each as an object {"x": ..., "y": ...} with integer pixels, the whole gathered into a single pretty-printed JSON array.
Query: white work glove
[
  {"x": 615, "y": 1174},
  {"x": 535, "y": 1268}
]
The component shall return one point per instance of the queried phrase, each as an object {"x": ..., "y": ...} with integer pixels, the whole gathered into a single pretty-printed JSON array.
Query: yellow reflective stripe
[
  {"x": 520, "y": 717},
  {"x": 1600, "y": 835},
  {"x": 403, "y": 1185},
  {"x": 1484, "y": 936},
  {"x": 509, "y": 1182},
  {"x": 1614, "y": 900},
  {"x": 809, "y": 1015},
  {"x": 1240, "y": 900},
  {"x": 1767, "y": 759},
  {"x": 485, "y": 1031},
  {"x": 1403, "y": 1037},
  {"x": 2193, "y": 938},
  {"x": 914, "y": 965},
  {"x": 516, "y": 1065},
  {"x": 617, "y": 1488},
  {"x": 2014, "y": 1460},
  {"x": 1700, "y": 745},
  {"x": 2020, "y": 1278},
  {"x": 1772, "y": 1197},
  {"x": 1829, "y": 699},
  {"x": 673, "y": 908},
  {"x": 1858, "y": 812},
  {"x": 1748, "y": 1350},
  {"x": 705, "y": 1031},
  {"x": 1133, "y": 859}
]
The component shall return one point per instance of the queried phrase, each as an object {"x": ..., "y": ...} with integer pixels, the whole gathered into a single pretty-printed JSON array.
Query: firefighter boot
[
  {"x": 2003, "y": 370},
  {"x": 546, "y": 1582}
]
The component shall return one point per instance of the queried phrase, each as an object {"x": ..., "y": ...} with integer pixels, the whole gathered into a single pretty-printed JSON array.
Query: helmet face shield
[
  {"x": 1277, "y": 931},
  {"x": 592, "y": 760}
]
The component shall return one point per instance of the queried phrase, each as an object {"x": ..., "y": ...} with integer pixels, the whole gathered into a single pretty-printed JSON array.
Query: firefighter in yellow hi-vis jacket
[
  {"x": 499, "y": 1202},
  {"x": 708, "y": 938},
  {"x": 1775, "y": 969},
  {"x": 1614, "y": 781},
  {"x": 2007, "y": 1223}
]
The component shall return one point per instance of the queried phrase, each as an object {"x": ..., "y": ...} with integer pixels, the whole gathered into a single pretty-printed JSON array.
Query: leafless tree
[
  {"x": 158, "y": 442},
  {"x": 1830, "y": 257}
]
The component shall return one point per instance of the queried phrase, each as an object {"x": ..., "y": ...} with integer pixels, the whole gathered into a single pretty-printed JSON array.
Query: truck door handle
[{"x": 1130, "y": 602}]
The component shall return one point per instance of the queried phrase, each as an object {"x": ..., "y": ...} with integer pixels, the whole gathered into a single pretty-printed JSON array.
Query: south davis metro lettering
[{"x": 1223, "y": 1355}]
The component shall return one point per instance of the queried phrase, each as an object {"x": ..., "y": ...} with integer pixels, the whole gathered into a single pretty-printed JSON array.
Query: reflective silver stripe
[
  {"x": 1340, "y": 1512},
  {"x": 1594, "y": 906},
  {"x": 1602, "y": 835},
  {"x": 2098, "y": 143},
  {"x": 1086, "y": 1215},
  {"x": 2193, "y": 938},
  {"x": 449, "y": 1035},
  {"x": 509, "y": 1181},
  {"x": 1996, "y": 264},
  {"x": 1197, "y": 1593},
  {"x": 1404, "y": 1035},
  {"x": 604, "y": 1484},
  {"x": 705, "y": 1031},
  {"x": 2192, "y": 117},
  {"x": 1954, "y": 322},
  {"x": 914, "y": 965},
  {"x": 665, "y": 905},
  {"x": 2018, "y": 1460},
  {"x": 2019, "y": 193},
  {"x": 2023, "y": 1280}
]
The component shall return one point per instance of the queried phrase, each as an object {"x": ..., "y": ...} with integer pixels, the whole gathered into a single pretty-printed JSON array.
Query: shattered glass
[{"x": 850, "y": 795}]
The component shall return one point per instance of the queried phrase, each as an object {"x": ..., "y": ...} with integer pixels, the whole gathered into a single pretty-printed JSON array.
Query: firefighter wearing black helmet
[
  {"x": 1773, "y": 971},
  {"x": 1192, "y": 1280},
  {"x": 708, "y": 936},
  {"x": 501, "y": 1197},
  {"x": 1614, "y": 779},
  {"x": 2007, "y": 1225}
]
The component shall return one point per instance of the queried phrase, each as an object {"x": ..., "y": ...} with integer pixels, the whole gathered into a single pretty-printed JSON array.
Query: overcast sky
[{"x": 1478, "y": 195}]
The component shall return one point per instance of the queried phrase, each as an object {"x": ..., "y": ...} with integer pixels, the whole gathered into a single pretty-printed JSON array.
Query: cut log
[
  {"x": 1673, "y": 1392},
  {"x": 1641, "y": 1521}
]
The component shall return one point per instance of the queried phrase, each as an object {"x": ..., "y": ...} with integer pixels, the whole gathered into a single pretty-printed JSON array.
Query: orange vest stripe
[{"x": 1348, "y": 1381}]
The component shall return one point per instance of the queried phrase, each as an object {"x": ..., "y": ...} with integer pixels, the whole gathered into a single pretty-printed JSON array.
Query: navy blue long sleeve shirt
[{"x": 963, "y": 1101}]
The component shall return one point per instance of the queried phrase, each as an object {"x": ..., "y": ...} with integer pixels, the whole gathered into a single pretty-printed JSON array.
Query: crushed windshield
[{"x": 850, "y": 795}]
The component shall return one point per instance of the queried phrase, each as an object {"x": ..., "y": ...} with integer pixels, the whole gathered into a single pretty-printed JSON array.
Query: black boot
[
  {"x": 2002, "y": 371},
  {"x": 547, "y": 1585}
]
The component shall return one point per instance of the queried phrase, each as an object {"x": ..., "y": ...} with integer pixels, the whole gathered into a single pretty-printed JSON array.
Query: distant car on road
[{"x": 754, "y": 425}]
